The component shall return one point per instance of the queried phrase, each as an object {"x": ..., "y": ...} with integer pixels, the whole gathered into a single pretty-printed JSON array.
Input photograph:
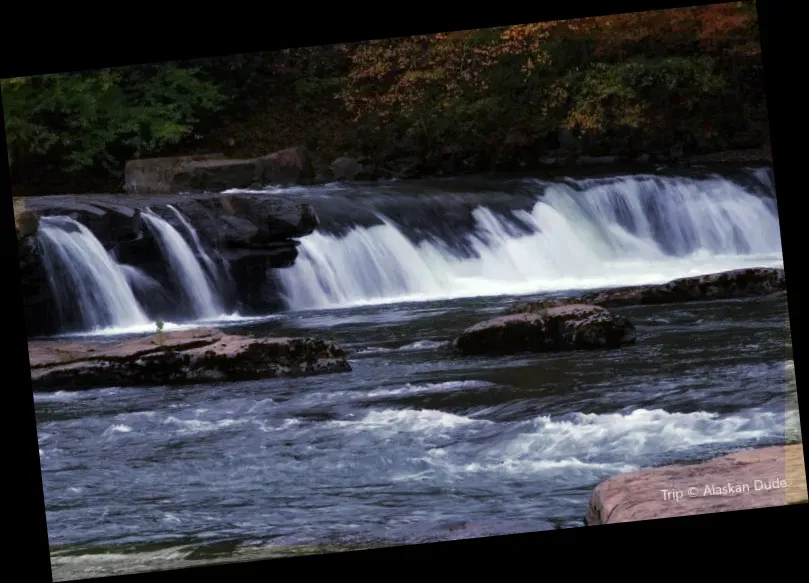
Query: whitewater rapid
[{"x": 632, "y": 231}]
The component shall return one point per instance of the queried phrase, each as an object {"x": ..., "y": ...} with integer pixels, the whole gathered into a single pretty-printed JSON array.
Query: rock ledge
[
  {"x": 183, "y": 357},
  {"x": 727, "y": 285},
  {"x": 756, "y": 478}
]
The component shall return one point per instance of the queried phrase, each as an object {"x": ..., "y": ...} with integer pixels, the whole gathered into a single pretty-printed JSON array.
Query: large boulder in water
[
  {"x": 183, "y": 357},
  {"x": 569, "y": 327}
]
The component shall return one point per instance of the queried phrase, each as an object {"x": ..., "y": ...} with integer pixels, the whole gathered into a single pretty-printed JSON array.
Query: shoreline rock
[
  {"x": 216, "y": 173},
  {"x": 296, "y": 166},
  {"x": 753, "y": 478},
  {"x": 734, "y": 284},
  {"x": 559, "y": 328},
  {"x": 178, "y": 358}
]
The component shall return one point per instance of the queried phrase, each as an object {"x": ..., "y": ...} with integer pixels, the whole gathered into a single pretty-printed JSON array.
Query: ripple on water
[{"x": 485, "y": 440}]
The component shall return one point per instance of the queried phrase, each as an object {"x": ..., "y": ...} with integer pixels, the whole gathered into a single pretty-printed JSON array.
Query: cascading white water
[
  {"x": 138, "y": 280},
  {"x": 79, "y": 265},
  {"x": 198, "y": 246},
  {"x": 636, "y": 230},
  {"x": 205, "y": 302}
]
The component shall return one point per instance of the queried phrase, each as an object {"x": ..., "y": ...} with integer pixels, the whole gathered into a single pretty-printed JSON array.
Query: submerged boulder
[
  {"x": 183, "y": 357},
  {"x": 568, "y": 327}
]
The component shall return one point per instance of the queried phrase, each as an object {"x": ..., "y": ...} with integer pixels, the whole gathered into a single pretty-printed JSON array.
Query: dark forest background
[{"x": 678, "y": 82}]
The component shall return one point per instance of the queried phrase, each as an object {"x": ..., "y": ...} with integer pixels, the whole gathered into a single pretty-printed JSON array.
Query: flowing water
[
  {"x": 184, "y": 264},
  {"x": 417, "y": 443},
  {"x": 211, "y": 267},
  {"x": 83, "y": 273},
  {"x": 587, "y": 234}
]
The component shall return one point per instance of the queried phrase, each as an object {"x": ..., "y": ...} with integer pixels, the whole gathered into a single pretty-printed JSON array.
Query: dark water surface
[{"x": 415, "y": 444}]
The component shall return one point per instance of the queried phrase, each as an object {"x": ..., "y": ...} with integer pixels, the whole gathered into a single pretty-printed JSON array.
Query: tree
[
  {"x": 77, "y": 120},
  {"x": 445, "y": 88},
  {"x": 623, "y": 82}
]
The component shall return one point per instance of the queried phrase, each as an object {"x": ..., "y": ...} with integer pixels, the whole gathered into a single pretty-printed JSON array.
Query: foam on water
[
  {"x": 151, "y": 327},
  {"x": 633, "y": 231},
  {"x": 186, "y": 267},
  {"x": 85, "y": 278}
]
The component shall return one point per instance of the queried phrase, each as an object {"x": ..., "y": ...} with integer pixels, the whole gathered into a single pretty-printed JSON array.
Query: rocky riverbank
[
  {"x": 182, "y": 357},
  {"x": 215, "y": 172},
  {"x": 757, "y": 478},
  {"x": 298, "y": 165}
]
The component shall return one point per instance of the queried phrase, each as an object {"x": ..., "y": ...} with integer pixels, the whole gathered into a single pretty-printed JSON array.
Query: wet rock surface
[
  {"x": 567, "y": 327},
  {"x": 182, "y": 357},
  {"x": 234, "y": 220},
  {"x": 758, "y": 478},
  {"x": 254, "y": 233},
  {"x": 736, "y": 284}
]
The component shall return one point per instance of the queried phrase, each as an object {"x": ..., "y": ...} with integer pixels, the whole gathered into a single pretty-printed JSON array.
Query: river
[{"x": 416, "y": 443}]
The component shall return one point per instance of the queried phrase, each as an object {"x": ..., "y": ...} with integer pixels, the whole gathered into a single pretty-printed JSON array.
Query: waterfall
[
  {"x": 198, "y": 246},
  {"x": 89, "y": 287},
  {"x": 197, "y": 287},
  {"x": 581, "y": 235}
]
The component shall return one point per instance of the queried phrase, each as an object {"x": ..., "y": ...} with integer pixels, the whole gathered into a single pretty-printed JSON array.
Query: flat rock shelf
[
  {"x": 755, "y": 478},
  {"x": 182, "y": 357}
]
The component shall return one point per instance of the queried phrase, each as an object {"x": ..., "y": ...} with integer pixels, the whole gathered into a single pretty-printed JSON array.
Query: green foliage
[
  {"x": 609, "y": 96},
  {"x": 630, "y": 82},
  {"x": 309, "y": 91},
  {"x": 85, "y": 119},
  {"x": 159, "y": 325},
  {"x": 651, "y": 78}
]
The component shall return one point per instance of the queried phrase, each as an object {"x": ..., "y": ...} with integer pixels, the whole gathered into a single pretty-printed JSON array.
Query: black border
[{"x": 88, "y": 40}]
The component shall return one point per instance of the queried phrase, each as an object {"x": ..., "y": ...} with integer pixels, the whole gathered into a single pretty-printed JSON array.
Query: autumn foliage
[
  {"x": 686, "y": 77},
  {"x": 629, "y": 83}
]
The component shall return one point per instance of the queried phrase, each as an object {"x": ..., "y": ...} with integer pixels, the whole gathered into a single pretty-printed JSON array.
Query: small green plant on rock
[{"x": 160, "y": 325}]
